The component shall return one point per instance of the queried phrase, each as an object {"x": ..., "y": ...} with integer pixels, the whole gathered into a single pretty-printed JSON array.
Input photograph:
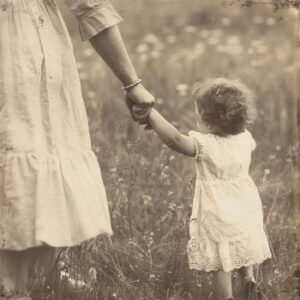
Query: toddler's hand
[{"x": 139, "y": 113}]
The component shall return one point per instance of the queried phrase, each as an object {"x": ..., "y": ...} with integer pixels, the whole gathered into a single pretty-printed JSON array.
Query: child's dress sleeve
[
  {"x": 199, "y": 141},
  {"x": 251, "y": 140},
  {"x": 93, "y": 16}
]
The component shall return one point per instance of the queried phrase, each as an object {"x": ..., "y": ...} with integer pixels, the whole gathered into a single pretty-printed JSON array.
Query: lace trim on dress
[
  {"x": 199, "y": 149},
  {"x": 227, "y": 255}
]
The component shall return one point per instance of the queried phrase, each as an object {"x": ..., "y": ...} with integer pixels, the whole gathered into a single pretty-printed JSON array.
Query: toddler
[{"x": 226, "y": 225}]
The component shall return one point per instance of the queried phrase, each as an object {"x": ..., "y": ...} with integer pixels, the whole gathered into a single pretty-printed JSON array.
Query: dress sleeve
[
  {"x": 199, "y": 144},
  {"x": 251, "y": 140},
  {"x": 93, "y": 16}
]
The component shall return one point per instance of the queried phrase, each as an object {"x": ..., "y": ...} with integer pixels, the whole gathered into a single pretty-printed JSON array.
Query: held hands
[
  {"x": 140, "y": 113},
  {"x": 139, "y": 102}
]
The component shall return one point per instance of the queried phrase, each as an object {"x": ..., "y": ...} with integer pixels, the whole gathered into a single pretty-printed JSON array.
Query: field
[{"x": 149, "y": 187}]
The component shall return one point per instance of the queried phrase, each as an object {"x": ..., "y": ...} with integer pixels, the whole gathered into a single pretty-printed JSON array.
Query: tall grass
[{"x": 149, "y": 187}]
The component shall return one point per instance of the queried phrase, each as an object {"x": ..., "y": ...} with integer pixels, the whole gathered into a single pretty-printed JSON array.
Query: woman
[{"x": 51, "y": 190}]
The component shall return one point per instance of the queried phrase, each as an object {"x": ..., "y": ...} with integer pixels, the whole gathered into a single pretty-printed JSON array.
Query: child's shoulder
[{"x": 213, "y": 139}]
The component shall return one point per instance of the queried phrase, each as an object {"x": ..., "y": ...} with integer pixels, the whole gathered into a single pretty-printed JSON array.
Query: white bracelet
[{"x": 131, "y": 85}]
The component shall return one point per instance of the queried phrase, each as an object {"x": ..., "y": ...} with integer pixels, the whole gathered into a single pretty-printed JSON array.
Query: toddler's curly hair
[{"x": 224, "y": 104}]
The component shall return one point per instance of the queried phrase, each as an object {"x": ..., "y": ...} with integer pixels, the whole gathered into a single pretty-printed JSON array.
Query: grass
[{"x": 149, "y": 187}]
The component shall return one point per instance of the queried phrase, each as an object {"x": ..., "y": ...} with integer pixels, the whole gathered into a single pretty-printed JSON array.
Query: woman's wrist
[
  {"x": 131, "y": 85},
  {"x": 139, "y": 95}
]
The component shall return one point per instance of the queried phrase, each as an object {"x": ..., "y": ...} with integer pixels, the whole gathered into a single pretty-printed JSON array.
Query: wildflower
[
  {"x": 213, "y": 41},
  {"x": 226, "y": 21},
  {"x": 234, "y": 49},
  {"x": 152, "y": 276},
  {"x": 92, "y": 274},
  {"x": 270, "y": 21},
  {"x": 199, "y": 49},
  {"x": 61, "y": 264},
  {"x": 64, "y": 274},
  {"x": 151, "y": 38},
  {"x": 159, "y": 100},
  {"x": 233, "y": 40},
  {"x": 266, "y": 173},
  {"x": 272, "y": 156},
  {"x": 142, "y": 48},
  {"x": 114, "y": 295},
  {"x": 258, "y": 20},
  {"x": 172, "y": 206},
  {"x": 147, "y": 199},
  {"x": 170, "y": 193},
  {"x": 182, "y": 89},
  {"x": 190, "y": 29},
  {"x": 171, "y": 39},
  {"x": 278, "y": 147},
  {"x": 262, "y": 49}
]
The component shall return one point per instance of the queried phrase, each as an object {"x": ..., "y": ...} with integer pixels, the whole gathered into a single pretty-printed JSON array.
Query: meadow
[{"x": 149, "y": 187}]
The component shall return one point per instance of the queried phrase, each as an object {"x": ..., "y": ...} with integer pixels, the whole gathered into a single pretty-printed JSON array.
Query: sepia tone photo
[{"x": 149, "y": 150}]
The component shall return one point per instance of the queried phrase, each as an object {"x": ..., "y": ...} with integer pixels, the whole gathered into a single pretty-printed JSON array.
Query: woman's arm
[
  {"x": 110, "y": 46},
  {"x": 98, "y": 22},
  {"x": 170, "y": 135}
]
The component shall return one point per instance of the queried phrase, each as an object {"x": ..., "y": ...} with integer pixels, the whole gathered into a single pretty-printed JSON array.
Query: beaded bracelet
[{"x": 131, "y": 85}]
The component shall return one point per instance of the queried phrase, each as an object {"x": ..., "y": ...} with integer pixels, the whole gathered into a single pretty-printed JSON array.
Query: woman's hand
[
  {"x": 140, "y": 112},
  {"x": 139, "y": 95}
]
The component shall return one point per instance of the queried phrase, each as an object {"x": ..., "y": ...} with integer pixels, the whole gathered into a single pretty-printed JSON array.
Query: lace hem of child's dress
[{"x": 227, "y": 255}]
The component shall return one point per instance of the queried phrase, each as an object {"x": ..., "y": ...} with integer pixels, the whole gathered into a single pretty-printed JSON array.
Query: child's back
[{"x": 226, "y": 225}]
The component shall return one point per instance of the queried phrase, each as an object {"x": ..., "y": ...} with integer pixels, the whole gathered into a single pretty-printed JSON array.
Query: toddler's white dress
[
  {"x": 226, "y": 225},
  {"x": 51, "y": 189}
]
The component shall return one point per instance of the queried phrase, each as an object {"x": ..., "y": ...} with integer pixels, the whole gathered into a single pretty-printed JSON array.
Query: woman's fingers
[
  {"x": 148, "y": 127},
  {"x": 139, "y": 113}
]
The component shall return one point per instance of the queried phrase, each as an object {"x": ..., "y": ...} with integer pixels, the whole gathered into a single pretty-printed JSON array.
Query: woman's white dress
[
  {"x": 226, "y": 225},
  {"x": 51, "y": 189}
]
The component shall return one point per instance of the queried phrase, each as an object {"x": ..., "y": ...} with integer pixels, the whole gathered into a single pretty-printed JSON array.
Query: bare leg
[
  {"x": 223, "y": 285},
  {"x": 247, "y": 273},
  {"x": 13, "y": 272},
  {"x": 15, "y": 266},
  {"x": 251, "y": 290}
]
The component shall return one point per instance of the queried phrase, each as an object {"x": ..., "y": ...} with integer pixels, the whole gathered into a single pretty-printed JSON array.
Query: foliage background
[{"x": 174, "y": 43}]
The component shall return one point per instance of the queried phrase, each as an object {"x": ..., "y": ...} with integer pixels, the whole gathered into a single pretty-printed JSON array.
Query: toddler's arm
[{"x": 170, "y": 135}]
